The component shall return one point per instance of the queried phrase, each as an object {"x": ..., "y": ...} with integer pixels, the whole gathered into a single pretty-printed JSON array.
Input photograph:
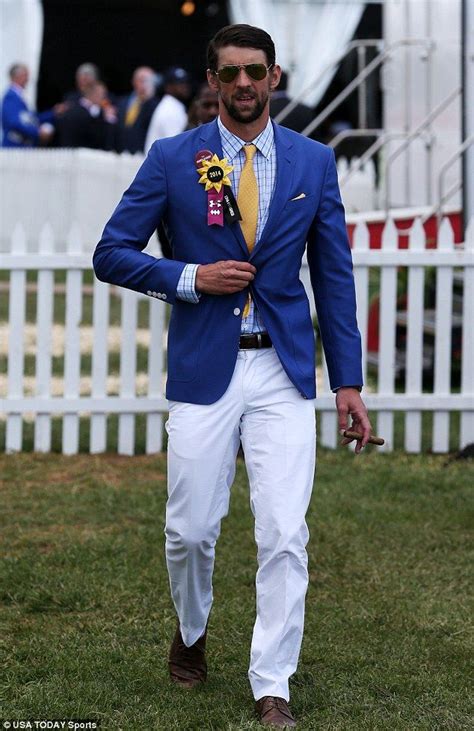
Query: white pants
[{"x": 276, "y": 424}]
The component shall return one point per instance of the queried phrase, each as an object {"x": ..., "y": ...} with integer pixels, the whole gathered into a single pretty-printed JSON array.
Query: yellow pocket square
[{"x": 298, "y": 197}]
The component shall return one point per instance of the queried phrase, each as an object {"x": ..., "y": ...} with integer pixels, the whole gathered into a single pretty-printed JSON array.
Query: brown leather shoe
[
  {"x": 273, "y": 711},
  {"x": 187, "y": 665}
]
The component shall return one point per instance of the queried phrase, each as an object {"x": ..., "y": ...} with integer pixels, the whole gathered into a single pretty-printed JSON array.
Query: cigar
[{"x": 355, "y": 435}]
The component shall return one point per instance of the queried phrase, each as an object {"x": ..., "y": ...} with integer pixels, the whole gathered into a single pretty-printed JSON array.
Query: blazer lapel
[
  {"x": 284, "y": 177},
  {"x": 211, "y": 140}
]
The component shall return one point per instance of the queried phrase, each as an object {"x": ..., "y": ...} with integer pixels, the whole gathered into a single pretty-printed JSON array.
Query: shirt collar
[
  {"x": 231, "y": 144},
  {"x": 18, "y": 89}
]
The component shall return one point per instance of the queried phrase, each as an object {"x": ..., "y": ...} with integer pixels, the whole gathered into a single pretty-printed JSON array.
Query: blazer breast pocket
[
  {"x": 300, "y": 210},
  {"x": 302, "y": 197}
]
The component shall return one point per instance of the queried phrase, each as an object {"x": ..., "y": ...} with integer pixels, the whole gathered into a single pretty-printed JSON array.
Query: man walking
[{"x": 241, "y": 351}]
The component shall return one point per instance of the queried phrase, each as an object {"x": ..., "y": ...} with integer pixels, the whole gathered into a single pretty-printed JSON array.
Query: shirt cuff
[{"x": 186, "y": 289}]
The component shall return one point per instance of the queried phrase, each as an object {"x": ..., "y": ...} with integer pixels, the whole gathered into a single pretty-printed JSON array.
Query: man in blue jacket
[
  {"x": 21, "y": 126},
  {"x": 242, "y": 198}
]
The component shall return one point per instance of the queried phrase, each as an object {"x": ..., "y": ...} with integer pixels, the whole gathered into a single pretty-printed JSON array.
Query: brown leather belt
[{"x": 257, "y": 340}]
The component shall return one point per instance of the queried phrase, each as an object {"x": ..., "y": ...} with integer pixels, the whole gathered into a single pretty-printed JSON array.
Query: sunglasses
[{"x": 255, "y": 71}]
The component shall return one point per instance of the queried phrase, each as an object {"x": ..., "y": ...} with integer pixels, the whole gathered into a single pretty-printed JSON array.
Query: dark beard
[{"x": 246, "y": 118}]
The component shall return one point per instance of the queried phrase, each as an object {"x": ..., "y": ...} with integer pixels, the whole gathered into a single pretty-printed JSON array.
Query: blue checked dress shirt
[{"x": 264, "y": 164}]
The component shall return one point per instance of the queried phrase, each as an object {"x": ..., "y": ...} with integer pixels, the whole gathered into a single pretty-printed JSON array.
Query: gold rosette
[{"x": 214, "y": 173}]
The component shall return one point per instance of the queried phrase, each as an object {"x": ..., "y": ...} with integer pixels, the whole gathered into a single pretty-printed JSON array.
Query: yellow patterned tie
[{"x": 247, "y": 201}]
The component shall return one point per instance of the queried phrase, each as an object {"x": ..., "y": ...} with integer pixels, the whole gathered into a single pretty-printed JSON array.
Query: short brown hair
[{"x": 242, "y": 36}]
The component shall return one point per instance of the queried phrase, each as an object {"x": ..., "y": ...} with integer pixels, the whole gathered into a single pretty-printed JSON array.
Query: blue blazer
[
  {"x": 20, "y": 125},
  {"x": 204, "y": 338}
]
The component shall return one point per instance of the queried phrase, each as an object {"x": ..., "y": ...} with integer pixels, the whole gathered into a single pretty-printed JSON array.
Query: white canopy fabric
[
  {"x": 21, "y": 35},
  {"x": 307, "y": 35}
]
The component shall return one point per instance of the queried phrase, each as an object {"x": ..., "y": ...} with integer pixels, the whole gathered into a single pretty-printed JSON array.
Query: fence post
[
  {"x": 443, "y": 322},
  {"x": 388, "y": 312},
  {"x": 361, "y": 277},
  {"x": 128, "y": 367},
  {"x": 154, "y": 422},
  {"x": 100, "y": 363},
  {"x": 72, "y": 348},
  {"x": 16, "y": 346},
  {"x": 44, "y": 329},
  {"x": 414, "y": 350},
  {"x": 329, "y": 435},
  {"x": 467, "y": 366}
]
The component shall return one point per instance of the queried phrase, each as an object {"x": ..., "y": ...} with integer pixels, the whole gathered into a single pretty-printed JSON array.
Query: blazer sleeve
[
  {"x": 17, "y": 117},
  {"x": 119, "y": 257},
  {"x": 47, "y": 116},
  {"x": 330, "y": 264}
]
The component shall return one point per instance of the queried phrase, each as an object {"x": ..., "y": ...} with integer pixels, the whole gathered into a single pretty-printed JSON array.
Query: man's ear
[
  {"x": 212, "y": 80},
  {"x": 275, "y": 74}
]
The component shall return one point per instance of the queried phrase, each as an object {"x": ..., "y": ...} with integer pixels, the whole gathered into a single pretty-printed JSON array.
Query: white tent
[
  {"x": 21, "y": 36},
  {"x": 308, "y": 35}
]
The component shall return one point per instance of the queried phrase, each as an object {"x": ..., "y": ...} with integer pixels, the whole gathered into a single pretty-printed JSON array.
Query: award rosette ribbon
[{"x": 214, "y": 176}]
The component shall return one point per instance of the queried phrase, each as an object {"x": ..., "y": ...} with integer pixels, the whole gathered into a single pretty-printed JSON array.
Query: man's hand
[
  {"x": 60, "y": 108},
  {"x": 348, "y": 401},
  {"x": 45, "y": 132},
  {"x": 224, "y": 277}
]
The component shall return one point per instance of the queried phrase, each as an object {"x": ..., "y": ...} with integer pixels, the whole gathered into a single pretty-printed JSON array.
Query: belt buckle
[{"x": 259, "y": 340}]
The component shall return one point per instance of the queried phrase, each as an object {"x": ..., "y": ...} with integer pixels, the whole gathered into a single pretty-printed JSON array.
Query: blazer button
[
  {"x": 236, "y": 311},
  {"x": 164, "y": 296}
]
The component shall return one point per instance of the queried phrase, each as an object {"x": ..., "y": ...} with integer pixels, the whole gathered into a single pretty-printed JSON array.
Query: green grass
[{"x": 88, "y": 620}]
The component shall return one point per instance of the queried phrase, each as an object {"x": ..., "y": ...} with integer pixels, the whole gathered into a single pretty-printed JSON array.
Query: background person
[
  {"x": 22, "y": 127},
  {"x": 170, "y": 116},
  {"x": 87, "y": 76},
  {"x": 240, "y": 368},
  {"x": 204, "y": 108},
  {"x": 135, "y": 111},
  {"x": 90, "y": 122}
]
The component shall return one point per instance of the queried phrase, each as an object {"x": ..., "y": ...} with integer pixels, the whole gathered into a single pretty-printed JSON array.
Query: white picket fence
[{"x": 131, "y": 392}]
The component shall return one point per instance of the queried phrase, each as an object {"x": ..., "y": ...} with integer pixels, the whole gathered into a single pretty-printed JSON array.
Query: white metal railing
[
  {"x": 131, "y": 391},
  {"x": 359, "y": 45},
  {"x": 445, "y": 196},
  {"x": 385, "y": 54}
]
